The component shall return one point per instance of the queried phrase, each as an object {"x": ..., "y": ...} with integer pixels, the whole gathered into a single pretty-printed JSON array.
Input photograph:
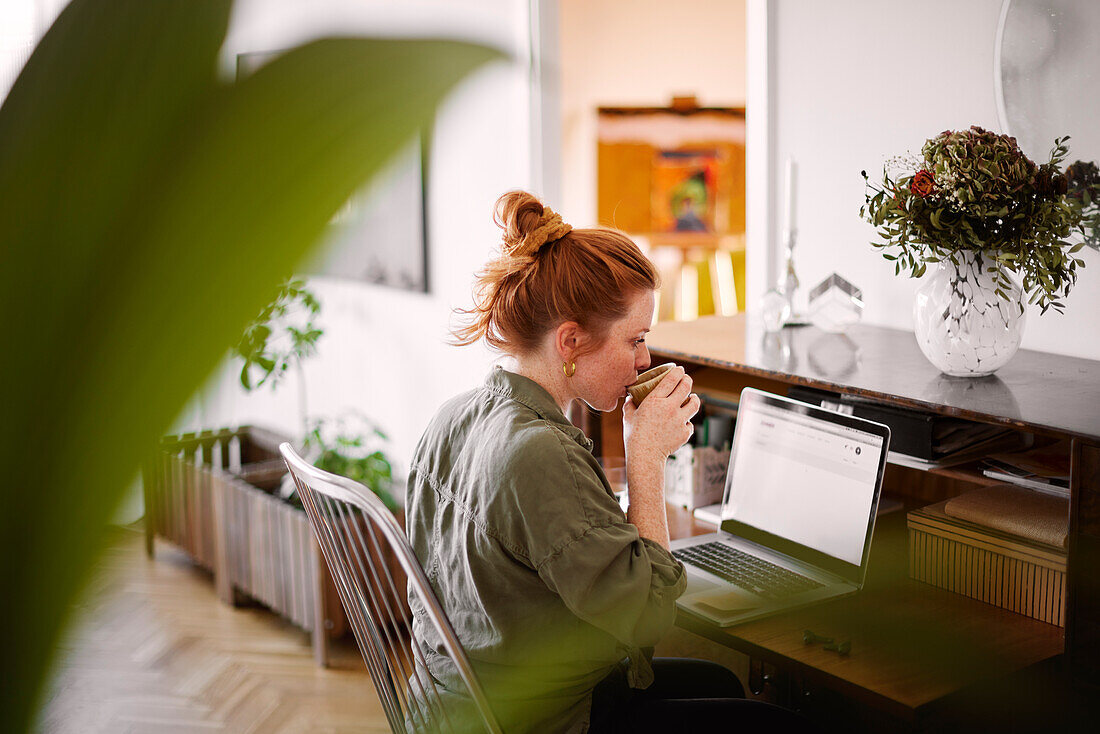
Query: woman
[{"x": 553, "y": 591}]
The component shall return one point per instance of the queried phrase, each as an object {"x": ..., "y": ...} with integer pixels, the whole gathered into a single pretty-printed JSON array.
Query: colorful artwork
[
  {"x": 667, "y": 172},
  {"x": 685, "y": 190}
]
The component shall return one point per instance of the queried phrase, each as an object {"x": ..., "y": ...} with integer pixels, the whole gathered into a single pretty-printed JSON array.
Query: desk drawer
[{"x": 987, "y": 565}]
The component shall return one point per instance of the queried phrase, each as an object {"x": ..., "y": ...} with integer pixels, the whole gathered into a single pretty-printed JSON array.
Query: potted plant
[
  {"x": 280, "y": 336},
  {"x": 354, "y": 447},
  {"x": 985, "y": 215},
  {"x": 225, "y": 496}
]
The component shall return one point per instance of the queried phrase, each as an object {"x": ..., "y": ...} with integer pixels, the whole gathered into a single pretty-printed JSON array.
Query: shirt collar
[{"x": 528, "y": 392}]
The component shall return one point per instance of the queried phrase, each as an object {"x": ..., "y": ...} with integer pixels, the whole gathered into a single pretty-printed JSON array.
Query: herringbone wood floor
[{"x": 155, "y": 651}]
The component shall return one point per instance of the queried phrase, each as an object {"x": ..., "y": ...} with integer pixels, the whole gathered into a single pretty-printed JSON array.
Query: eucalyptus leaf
[{"x": 149, "y": 209}]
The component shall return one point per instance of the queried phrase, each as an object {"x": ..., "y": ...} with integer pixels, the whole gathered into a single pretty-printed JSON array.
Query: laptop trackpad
[{"x": 725, "y": 601}]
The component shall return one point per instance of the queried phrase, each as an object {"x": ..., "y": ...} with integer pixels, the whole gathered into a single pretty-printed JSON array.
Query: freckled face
[{"x": 602, "y": 376}]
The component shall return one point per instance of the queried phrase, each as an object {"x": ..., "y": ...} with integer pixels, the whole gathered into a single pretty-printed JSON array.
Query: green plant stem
[{"x": 303, "y": 414}]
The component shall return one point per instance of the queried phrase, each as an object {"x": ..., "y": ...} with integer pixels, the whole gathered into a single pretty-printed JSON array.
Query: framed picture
[{"x": 380, "y": 235}]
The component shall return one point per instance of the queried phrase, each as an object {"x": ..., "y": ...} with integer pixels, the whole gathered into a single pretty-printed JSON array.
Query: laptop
[{"x": 798, "y": 512}]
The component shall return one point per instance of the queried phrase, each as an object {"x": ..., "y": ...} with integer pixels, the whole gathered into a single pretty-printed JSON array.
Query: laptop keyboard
[{"x": 747, "y": 571}]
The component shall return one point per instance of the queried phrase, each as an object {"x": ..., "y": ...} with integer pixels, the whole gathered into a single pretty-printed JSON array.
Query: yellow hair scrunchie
[{"x": 550, "y": 228}]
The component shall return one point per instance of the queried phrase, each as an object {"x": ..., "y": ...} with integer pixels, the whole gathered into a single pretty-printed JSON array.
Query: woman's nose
[{"x": 642, "y": 362}]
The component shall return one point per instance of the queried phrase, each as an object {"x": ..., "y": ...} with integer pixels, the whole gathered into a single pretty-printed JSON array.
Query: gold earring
[{"x": 569, "y": 368}]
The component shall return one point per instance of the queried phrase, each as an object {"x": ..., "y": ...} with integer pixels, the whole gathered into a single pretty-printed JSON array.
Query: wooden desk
[{"x": 914, "y": 647}]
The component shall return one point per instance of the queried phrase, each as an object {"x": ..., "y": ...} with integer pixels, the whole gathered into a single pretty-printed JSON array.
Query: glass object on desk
[
  {"x": 963, "y": 324},
  {"x": 775, "y": 308},
  {"x": 795, "y": 315},
  {"x": 835, "y": 304},
  {"x": 834, "y": 356},
  {"x": 789, "y": 287},
  {"x": 776, "y": 352}
]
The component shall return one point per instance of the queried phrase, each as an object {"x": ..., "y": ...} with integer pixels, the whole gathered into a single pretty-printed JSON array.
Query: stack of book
[{"x": 1043, "y": 469}]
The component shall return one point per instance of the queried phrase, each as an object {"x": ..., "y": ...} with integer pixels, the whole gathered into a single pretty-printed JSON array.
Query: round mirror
[{"x": 1047, "y": 76}]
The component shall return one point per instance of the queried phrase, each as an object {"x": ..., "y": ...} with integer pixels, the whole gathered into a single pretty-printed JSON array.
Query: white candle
[{"x": 790, "y": 203}]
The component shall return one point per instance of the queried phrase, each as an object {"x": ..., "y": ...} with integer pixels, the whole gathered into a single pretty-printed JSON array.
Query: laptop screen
[{"x": 806, "y": 476}]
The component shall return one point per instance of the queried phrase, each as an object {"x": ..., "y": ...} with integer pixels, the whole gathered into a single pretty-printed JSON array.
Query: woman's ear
[{"x": 568, "y": 338}]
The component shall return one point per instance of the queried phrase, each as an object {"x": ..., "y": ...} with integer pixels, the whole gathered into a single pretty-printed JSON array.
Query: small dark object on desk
[{"x": 809, "y": 637}]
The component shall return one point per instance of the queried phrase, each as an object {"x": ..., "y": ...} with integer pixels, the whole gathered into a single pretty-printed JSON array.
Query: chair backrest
[{"x": 357, "y": 534}]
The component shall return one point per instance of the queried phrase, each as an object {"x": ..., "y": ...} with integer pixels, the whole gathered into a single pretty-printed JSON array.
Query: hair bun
[{"x": 528, "y": 224}]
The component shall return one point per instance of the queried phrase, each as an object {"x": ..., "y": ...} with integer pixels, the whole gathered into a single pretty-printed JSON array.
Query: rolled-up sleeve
[
  {"x": 624, "y": 584},
  {"x": 615, "y": 580}
]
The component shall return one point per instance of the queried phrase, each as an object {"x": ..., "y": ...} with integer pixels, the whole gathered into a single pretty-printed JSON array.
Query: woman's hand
[
  {"x": 662, "y": 423},
  {"x": 651, "y": 432}
]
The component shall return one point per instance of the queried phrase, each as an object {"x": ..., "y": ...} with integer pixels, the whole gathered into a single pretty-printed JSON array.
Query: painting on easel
[
  {"x": 672, "y": 169},
  {"x": 674, "y": 179},
  {"x": 685, "y": 190}
]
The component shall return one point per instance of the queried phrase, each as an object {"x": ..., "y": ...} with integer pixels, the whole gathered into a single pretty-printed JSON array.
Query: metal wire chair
[{"x": 347, "y": 519}]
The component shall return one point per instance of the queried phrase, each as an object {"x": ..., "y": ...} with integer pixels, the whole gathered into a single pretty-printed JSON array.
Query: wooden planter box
[{"x": 211, "y": 494}]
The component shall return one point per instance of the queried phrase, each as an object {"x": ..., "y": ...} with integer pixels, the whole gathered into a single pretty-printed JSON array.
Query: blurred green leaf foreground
[{"x": 148, "y": 209}]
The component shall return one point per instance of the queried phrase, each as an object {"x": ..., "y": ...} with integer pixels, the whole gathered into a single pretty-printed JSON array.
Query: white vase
[{"x": 963, "y": 327}]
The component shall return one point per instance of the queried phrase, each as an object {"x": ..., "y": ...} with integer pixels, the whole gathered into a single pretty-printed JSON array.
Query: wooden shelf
[{"x": 971, "y": 472}]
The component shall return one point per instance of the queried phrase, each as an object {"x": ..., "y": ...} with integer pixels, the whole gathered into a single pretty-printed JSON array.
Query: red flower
[{"x": 922, "y": 184}]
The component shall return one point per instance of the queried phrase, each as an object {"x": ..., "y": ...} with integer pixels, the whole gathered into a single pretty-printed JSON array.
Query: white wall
[
  {"x": 854, "y": 82},
  {"x": 22, "y": 25},
  {"x": 640, "y": 53},
  {"x": 858, "y": 81},
  {"x": 383, "y": 351}
]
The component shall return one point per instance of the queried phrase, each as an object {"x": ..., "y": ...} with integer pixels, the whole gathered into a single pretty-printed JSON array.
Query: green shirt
[{"x": 520, "y": 534}]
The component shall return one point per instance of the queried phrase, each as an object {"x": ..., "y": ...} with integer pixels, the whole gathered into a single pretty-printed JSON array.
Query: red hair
[{"x": 590, "y": 276}]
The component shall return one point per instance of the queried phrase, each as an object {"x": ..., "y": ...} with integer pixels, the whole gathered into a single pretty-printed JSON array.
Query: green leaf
[{"x": 173, "y": 185}]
